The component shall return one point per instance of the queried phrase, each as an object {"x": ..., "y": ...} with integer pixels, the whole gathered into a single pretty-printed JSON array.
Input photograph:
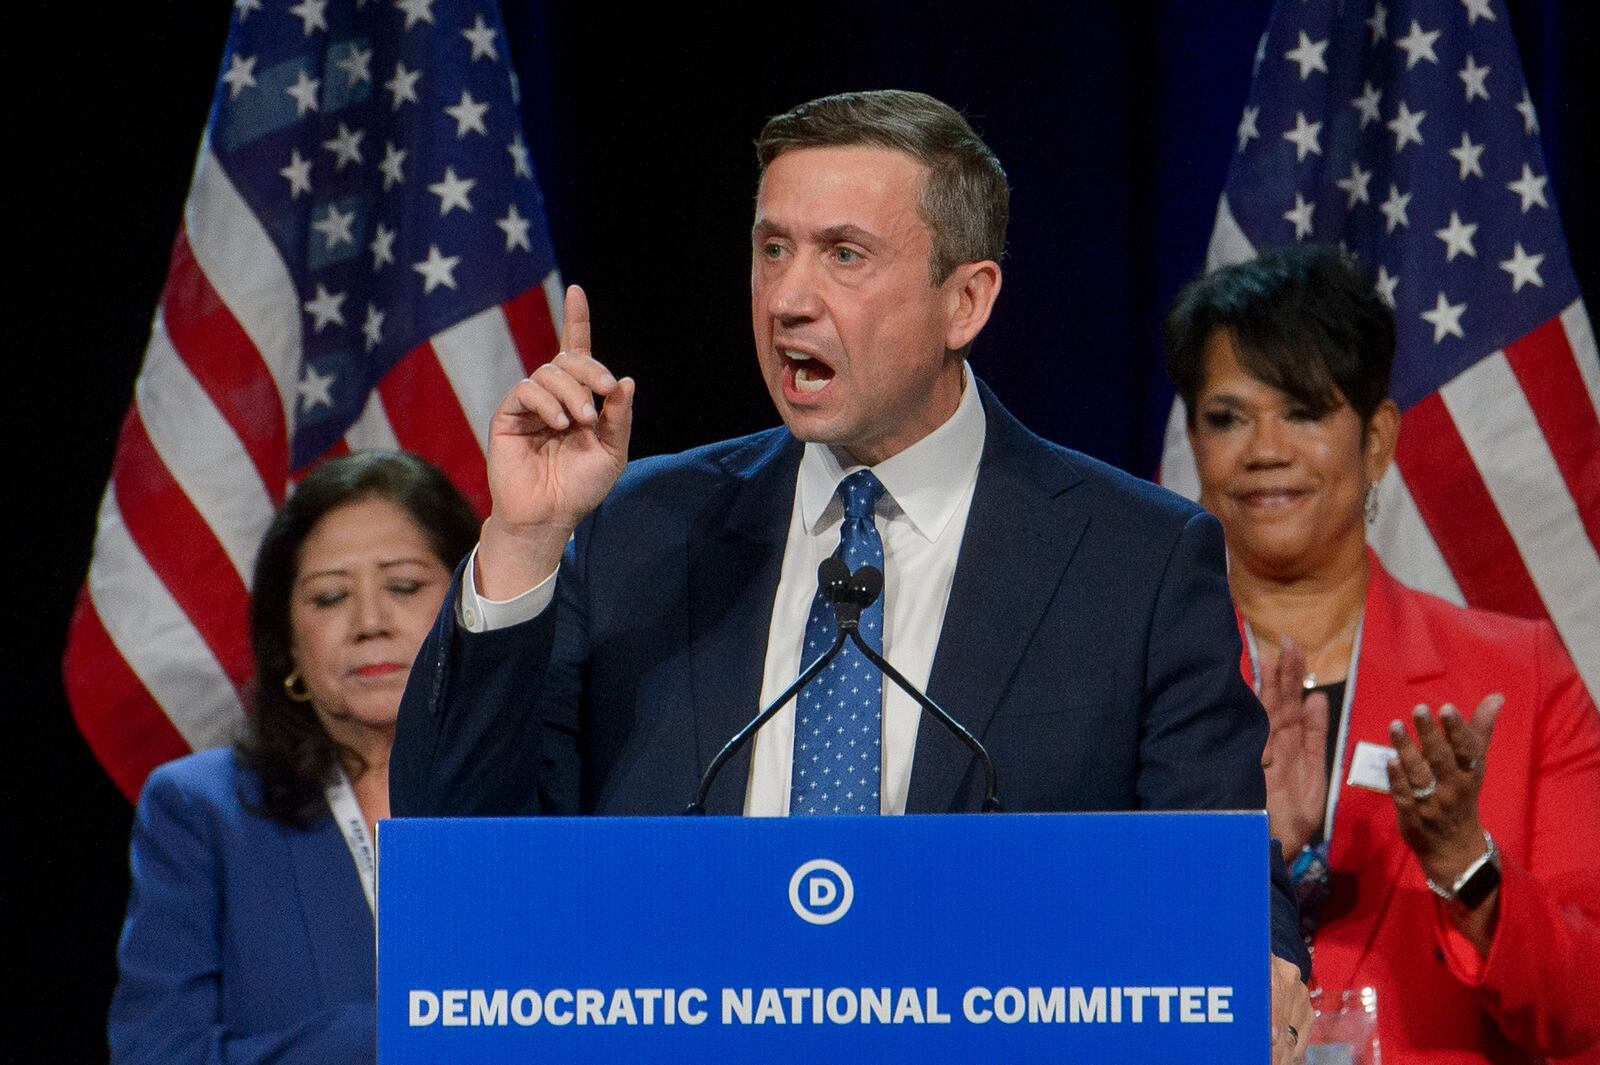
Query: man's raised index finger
[{"x": 575, "y": 322}]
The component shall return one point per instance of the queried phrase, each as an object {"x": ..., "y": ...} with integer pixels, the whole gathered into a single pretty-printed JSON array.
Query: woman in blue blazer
[{"x": 249, "y": 935}]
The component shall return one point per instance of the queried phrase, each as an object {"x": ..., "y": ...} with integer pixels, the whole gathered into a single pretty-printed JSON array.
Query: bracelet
[{"x": 1491, "y": 855}]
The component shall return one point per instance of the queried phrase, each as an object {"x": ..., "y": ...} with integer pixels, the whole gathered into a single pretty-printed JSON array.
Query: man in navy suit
[{"x": 617, "y": 623}]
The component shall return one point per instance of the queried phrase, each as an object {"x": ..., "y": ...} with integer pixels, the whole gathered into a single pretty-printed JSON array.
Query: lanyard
[
  {"x": 1343, "y": 739},
  {"x": 353, "y": 826}
]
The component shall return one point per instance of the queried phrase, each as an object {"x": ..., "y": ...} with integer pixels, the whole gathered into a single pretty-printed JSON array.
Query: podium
[{"x": 981, "y": 938}]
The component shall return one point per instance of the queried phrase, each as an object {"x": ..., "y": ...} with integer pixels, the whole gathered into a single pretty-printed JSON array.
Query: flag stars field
[
  {"x": 1394, "y": 208},
  {"x": 1418, "y": 45},
  {"x": 297, "y": 174},
  {"x": 1309, "y": 56},
  {"x": 1247, "y": 126},
  {"x": 356, "y": 64},
  {"x": 1468, "y": 155},
  {"x": 314, "y": 389},
  {"x": 241, "y": 75},
  {"x": 481, "y": 36},
  {"x": 520, "y": 165},
  {"x": 452, "y": 191},
  {"x": 335, "y": 227},
  {"x": 1457, "y": 237},
  {"x": 325, "y": 308},
  {"x": 1304, "y": 136},
  {"x": 1523, "y": 268},
  {"x": 515, "y": 227},
  {"x": 1300, "y": 216},
  {"x": 402, "y": 86},
  {"x": 392, "y": 164},
  {"x": 437, "y": 269},
  {"x": 313, "y": 15},
  {"x": 382, "y": 246},
  {"x": 1378, "y": 22},
  {"x": 1474, "y": 79},
  {"x": 416, "y": 11},
  {"x": 1530, "y": 189},
  {"x": 1445, "y": 317},
  {"x": 1355, "y": 186},
  {"x": 468, "y": 114},
  {"x": 345, "y": 146},
  {"x": 1367, "y": 104},
  {"x": 1406, "y": 125},
  {"x": 304, "y": 91}
]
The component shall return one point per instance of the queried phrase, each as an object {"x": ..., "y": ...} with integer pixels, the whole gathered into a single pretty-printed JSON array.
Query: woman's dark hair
[
  {"x": 284, "y": 742},
  {"x": 1302, "y": 319}
]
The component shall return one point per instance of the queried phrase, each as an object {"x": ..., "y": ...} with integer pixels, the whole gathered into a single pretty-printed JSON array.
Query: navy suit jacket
[
  {"x": 247, "y": 940},
  {"x": 1089, "y": 642}
]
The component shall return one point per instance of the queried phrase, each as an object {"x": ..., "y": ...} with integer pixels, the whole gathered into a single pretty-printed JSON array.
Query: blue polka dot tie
[{"x": 837, "y": 716}]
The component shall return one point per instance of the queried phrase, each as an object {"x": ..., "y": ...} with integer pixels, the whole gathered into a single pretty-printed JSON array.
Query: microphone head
[
  {"x": 866, "y": 585},
  {"x": 833, "y": 579}
]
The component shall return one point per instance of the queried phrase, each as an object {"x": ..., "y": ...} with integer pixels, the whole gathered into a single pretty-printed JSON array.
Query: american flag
[
  {"x": 1405, "y": 132},
  {"x": 362, "y": 262}
]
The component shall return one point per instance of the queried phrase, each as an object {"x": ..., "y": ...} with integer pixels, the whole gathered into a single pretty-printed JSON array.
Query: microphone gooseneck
[
  {"x": 833, "y": 579},
  {"x": 849, "y": 599},
  {"x": 850, "y": 594}
]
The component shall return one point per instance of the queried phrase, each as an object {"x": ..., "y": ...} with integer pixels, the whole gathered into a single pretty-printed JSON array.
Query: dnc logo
[{"x": 821, "y": 891}]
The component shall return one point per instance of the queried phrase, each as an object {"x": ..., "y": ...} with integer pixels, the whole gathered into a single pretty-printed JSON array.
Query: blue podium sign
[{"x": 1006, "y": 938}]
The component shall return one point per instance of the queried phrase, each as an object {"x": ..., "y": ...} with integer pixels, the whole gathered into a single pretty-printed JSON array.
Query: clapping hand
[
  {"x": 1295, "y": 758},
  {"x": 1435, "y": 781}
]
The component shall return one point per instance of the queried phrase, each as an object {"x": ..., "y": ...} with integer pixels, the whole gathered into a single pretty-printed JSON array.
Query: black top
[{"x": 1335, "y": 694}]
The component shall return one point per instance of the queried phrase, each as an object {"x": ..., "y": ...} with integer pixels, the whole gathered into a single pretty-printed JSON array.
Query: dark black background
[{"x": 1115, "y": 123}]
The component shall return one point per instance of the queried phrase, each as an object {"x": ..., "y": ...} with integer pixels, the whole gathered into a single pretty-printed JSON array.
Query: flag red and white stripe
[
  {"x": 158, "y": 660},
  {"x": 1494, "y": 497}
]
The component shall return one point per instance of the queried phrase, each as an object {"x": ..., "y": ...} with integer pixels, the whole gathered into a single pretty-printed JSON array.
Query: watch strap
[{"x": 1476, "y": 881}]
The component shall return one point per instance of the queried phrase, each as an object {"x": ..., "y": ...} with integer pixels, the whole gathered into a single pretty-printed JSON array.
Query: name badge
[{"x": 1369, "y": 766}]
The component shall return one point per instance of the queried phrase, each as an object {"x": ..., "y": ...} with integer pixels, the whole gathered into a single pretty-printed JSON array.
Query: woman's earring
[
  {"x": 1372, "y": 503},
  {"x": 294, "y": 686}
]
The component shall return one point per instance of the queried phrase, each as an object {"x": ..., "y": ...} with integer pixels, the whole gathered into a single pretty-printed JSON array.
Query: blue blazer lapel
[
  {"x": 735, "y": 557},
  {"x": 1020, "y": 535},
  {"x": 335, "y": 910}
]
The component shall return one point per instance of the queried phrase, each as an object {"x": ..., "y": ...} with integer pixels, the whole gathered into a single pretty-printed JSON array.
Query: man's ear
[{"x": 970, "y": 292}]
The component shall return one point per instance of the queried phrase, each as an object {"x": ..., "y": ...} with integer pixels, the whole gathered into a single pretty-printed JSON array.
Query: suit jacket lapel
[
  {"x": 334, "y": 907},
  {"x": 1367, "y": 857},
  {"x": 735, "y": 557},
  {"x": 1018, "y": 540}
]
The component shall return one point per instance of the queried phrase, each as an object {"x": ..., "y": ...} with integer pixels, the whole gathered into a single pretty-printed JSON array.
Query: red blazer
[{"x": 1538, "y": 992}]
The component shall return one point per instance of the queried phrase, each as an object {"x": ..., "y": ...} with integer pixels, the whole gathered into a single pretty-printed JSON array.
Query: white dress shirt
[{"x": 922, "y": 517}]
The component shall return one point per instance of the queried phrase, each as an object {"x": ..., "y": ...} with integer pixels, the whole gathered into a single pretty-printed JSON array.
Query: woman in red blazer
[{"x": 1452, "y": 864}]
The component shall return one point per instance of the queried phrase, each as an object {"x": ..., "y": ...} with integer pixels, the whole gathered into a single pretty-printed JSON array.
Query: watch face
[{"x": 1478, "y": 886}]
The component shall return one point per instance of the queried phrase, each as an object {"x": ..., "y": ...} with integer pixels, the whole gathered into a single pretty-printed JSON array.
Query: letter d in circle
[{"x": 820, "y": 892}]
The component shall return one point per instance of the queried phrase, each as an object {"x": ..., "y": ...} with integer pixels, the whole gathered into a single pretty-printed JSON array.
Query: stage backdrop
[{"x": 1115, "y": 123}]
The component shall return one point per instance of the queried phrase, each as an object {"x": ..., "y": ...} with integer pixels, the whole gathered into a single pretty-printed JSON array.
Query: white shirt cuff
[{"x": 478, "y": 613}]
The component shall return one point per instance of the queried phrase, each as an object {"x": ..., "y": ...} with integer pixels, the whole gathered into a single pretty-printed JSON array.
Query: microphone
[
  {"x": 834, "y": 581},
  {"x": 850, "y": 594}
]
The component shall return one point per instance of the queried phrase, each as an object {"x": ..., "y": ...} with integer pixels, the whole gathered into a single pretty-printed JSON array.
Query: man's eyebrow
[
  {"x": 847, "y": 232},
  {"x": 828, "y": 235}
]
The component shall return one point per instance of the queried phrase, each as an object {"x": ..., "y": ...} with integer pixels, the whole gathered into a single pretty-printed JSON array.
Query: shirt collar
[{"x": 926, "y": 482}]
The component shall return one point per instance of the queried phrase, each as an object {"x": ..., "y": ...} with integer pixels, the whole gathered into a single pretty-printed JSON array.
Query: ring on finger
[
  {"x": 1423, "y": 792},
  {"x": 1294, "y": 1035}
]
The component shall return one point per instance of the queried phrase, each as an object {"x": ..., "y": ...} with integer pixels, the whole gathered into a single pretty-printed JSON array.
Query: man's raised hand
[{"x": 554, "y": 453}]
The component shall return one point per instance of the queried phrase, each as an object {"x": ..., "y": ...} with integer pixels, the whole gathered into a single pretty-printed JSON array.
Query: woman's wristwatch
[{"x": 1476, "y": 883}]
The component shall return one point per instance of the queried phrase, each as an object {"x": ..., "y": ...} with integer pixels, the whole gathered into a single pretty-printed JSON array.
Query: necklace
[{"x": 1309, "y": 681}]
